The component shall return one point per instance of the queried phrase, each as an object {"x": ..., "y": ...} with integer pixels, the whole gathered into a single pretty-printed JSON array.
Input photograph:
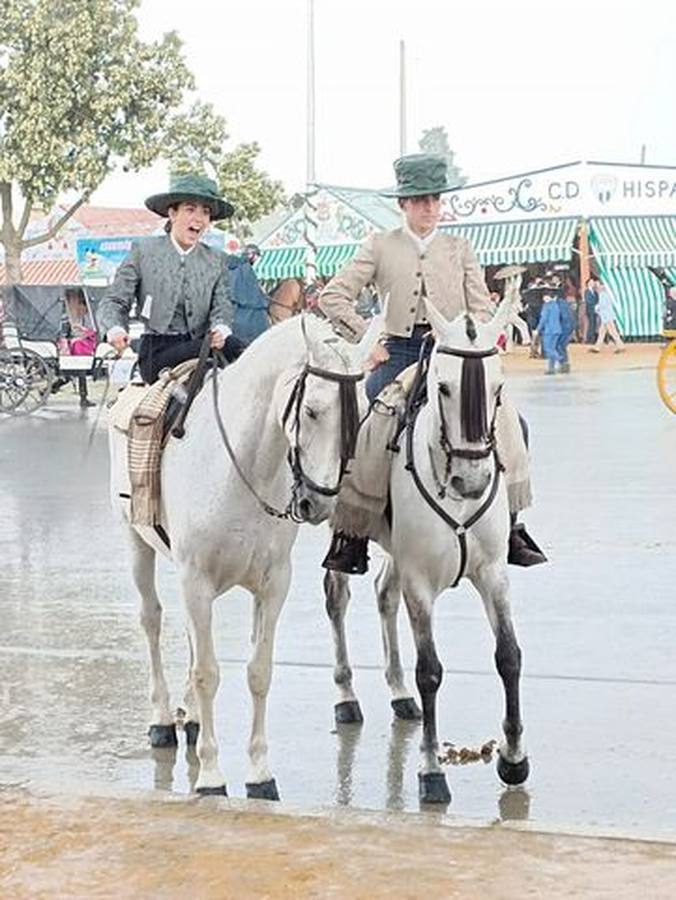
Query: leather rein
[
  {"x": 349, "y": 428},
  {"x": 460, "y": 529}
]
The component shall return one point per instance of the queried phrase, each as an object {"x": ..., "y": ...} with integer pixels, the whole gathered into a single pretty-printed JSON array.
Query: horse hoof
[
  {"x": 432, "y": 788},
  {"x": 163, "y": 736},
  {"x": 191, "y": 729},
  {"x": 513, "y": 773},
  {"x": 348, "y": 713},
  {"x": 406, "y": 708},
  {"x": 220, "y": 791},
  {"x": 262, "y": 790}
]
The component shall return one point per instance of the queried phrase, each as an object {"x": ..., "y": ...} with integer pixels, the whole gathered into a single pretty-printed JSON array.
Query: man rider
[{"x": 408, "y": 265}]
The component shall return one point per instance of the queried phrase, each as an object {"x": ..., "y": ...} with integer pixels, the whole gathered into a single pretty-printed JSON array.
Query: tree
[
  {"x": 435, "y": 140},
  {"x": 251, "y": 191},
  {"x": 81, "y": 94}
]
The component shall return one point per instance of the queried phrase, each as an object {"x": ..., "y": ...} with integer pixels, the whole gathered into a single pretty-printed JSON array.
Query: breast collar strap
[{"x": 460, "y": 529}]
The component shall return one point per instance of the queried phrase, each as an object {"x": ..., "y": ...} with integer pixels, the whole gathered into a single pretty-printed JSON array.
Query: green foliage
[
  {"x": 435, "y": 140},
  {"x": 251, "y": 191},
  {"x": 80, "y": 92}
]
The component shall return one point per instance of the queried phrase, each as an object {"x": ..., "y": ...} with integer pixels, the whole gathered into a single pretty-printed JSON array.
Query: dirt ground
[
  {"x": 104, "y": 847},
  {"x": 635, "y": 356}
]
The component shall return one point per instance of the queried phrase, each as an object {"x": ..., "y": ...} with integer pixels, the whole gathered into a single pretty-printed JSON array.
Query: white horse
[
  {"x": 231, "y": 513},
  {"x": 449, "y": 520}
]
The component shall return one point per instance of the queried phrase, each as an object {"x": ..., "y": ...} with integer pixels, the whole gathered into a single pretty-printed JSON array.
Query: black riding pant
[{"x": 163, "y": 351}]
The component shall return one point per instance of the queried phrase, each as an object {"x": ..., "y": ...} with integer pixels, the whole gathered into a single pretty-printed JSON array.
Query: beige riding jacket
[{"x": 447, "y": 267}]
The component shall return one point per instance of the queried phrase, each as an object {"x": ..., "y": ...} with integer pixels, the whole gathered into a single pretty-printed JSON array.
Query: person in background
[
  {"x": 250, "y": 302},
  {"x": 591, "y": 302},
  {"x": 567, "y": 319},
  {"x": 549, "y": 329},
  {"x": 606, "y": 310}
]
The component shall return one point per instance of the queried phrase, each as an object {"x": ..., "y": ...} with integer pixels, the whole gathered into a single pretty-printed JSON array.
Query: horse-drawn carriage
[{"x": 48, "y": 340}]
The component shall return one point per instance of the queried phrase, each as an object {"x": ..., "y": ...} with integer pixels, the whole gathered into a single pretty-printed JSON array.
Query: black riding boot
[
  {"x": 523, "y": 551},
  {"x": 347, "y": 554}
]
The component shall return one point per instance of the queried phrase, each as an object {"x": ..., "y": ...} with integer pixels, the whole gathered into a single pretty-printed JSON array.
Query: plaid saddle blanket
[{"x": 139, "y": 413}]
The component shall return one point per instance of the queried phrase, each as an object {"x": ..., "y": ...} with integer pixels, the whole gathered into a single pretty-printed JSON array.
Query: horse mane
[
  {"x": 473, "y": 414},
  {"x": 470, "y": 328}
]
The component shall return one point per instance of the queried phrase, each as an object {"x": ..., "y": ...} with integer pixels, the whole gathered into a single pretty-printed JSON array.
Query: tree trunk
[{"x": 13, "y": 263}]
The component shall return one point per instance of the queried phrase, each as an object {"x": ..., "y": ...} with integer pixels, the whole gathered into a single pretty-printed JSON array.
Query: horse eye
[
  {"x": 444, "y": 389},
  {"x": 311, "y": 414}
]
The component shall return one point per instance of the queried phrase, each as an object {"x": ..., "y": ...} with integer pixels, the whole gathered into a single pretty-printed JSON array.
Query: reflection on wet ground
[{"x": 596, "y": 627}]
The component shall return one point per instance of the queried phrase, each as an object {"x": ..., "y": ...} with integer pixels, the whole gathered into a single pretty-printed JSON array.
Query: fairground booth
[{"x": 563, "y": 224}]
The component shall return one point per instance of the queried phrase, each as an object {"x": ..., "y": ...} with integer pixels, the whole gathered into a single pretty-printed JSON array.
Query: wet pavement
[{"x": 596, "y": 626}]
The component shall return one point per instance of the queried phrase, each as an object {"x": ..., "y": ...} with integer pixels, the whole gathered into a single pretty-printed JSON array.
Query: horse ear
[
  {"x": 437, "y": 321},
  {"x": 360, "y": 352},
  {"x": 492, "y": 330}
]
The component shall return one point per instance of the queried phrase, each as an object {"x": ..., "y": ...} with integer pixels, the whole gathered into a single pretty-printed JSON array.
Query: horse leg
[
  {"x": 162, "y": 730},
  {"x": 337, "y": 593},
  {"x": 492, "y": 584},
  {"x": 267, "y": 607},
  {"x": 388, "y": 593},
  {"x": 432, "y": 785},
  {"x": 205, "y": 676},
  {"x": 191, "y": 724}
]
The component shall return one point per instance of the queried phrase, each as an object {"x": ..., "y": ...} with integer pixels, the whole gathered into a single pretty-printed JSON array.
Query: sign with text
[{"x": 580, "y": 189}]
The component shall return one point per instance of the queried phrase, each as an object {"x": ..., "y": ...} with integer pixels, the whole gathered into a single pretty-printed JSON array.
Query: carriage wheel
[
  {"x": 32, "y": 381},
  {"x": 12, "y": 382},
  {"x": 666, "y": 376}
]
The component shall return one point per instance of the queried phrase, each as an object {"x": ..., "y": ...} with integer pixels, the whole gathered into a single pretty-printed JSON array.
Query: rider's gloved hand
[{"x": 233, "y": 347}]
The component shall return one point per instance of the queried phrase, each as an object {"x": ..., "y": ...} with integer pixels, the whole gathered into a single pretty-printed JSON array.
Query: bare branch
[{"x": 57, "y": 226}]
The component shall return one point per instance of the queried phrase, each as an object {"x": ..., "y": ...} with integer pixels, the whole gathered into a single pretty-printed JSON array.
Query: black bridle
[
  {"x": 489, "y": 449},
  {"x": 349, "y": 428}
]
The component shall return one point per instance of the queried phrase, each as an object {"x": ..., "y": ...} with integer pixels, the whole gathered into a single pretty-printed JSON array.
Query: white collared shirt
[
  {"x": 422, "y": 243},
  {"x": 178, "y": 248}
]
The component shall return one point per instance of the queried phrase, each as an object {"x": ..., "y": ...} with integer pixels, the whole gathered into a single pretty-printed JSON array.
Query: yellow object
[{"x": 666, "y": 373}]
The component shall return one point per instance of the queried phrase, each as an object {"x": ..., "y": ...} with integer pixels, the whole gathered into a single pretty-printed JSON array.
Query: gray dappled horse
[{"x": 449, "y": 520}]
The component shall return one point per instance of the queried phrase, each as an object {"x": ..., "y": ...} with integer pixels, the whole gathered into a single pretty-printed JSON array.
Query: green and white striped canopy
[
  {"x": 634, "y": 240},
  {"x": 289, "y": 262},
  {"x": 639, "y": 299},
  {"x": 499, "y": 243}
]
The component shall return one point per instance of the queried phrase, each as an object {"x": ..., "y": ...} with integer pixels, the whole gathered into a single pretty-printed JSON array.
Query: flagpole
[
  {"x": 310, "y": 206},
  {"x": 402, "y": 98}
]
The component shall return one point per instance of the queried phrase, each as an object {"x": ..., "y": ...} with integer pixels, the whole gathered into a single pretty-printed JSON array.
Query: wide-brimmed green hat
[
  {"x": 191, "y": 187},
  {"x": 419, "y": 174}
]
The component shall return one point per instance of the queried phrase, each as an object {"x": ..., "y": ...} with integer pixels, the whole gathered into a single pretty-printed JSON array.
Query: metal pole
[
  {"x": 310, "y": 206},
  {"x": 402, "y": 98},
  {"x": 642, "y": 154}
]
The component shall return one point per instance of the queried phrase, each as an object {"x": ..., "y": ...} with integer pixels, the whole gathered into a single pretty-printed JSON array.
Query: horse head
[
  {"x": 319, "y": 413},
  {"x": 464, "y": 383}
]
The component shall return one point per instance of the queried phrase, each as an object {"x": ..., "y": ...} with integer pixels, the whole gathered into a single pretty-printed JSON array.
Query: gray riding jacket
[{"x": 168, "y": 287}]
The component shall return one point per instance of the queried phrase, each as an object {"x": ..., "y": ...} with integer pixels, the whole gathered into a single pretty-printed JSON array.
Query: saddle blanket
[{"x": 138, "y": 412}]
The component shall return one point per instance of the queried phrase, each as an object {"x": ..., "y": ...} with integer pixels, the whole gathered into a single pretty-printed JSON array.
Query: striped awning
[
  {"x": 498, "y": 243},
  {"x": 289, "y": 262},
  {"x": 634, "y": 240},
  {"x": 46, "y": 271}
]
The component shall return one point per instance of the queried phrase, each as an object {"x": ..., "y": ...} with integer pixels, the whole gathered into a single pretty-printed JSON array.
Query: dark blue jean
[{"x": 404, "y": 352}]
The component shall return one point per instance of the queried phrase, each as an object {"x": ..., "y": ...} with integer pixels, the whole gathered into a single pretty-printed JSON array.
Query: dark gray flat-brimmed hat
[
  {"x": 419, "y": 174},
  {"x": 191, "y": 187}
]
